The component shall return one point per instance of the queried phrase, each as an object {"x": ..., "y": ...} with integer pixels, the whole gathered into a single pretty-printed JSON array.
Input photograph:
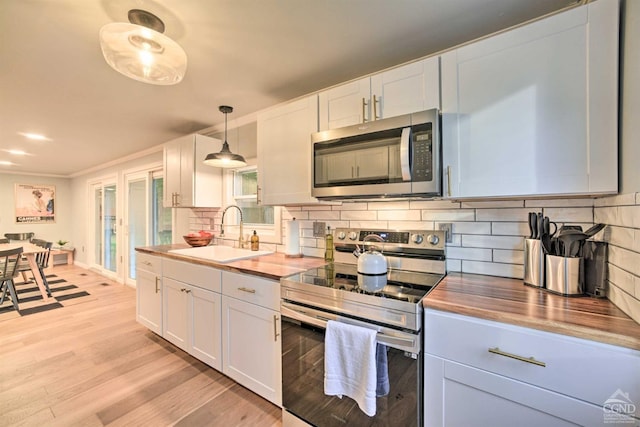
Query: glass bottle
[
  {"x": 255, "y": 241},
  {"x": 328, "y": 246}
]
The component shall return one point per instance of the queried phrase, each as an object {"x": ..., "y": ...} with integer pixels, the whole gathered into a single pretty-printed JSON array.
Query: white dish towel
[{"x": 350, "y": 364}]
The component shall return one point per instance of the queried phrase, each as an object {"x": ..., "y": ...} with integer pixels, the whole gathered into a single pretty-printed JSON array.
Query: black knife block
[{"x": 595, "y": 268}]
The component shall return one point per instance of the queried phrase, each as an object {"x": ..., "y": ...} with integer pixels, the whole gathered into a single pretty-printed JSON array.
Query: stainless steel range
[{"x": 416, "y": 260}]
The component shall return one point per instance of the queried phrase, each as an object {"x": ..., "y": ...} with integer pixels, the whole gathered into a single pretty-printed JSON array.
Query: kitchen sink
[{"x": 219, "y": 253}]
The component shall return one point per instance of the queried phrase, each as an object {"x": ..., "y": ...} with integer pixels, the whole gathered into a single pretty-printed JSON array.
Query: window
[{"x": 242, "y": 190}]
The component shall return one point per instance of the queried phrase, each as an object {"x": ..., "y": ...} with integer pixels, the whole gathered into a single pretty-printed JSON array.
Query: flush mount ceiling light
[
  {"x": 139, "y": 50},
  {"x": 225, "y": 158}
]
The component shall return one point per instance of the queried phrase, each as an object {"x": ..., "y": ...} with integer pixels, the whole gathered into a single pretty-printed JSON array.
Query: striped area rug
[{"x": 30, "y": 299}]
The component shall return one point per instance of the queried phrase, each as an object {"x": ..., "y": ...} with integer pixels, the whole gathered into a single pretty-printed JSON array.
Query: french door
[
  {"x": 147, "y": 222},
  {"x": 104, "y": 236}
]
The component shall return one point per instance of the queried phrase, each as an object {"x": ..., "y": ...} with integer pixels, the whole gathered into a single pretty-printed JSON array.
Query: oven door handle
[{"x": 303, "y": 315}]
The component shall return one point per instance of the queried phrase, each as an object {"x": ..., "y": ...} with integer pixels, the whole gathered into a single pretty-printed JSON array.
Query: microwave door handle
[{"x": 405, "y": 167}]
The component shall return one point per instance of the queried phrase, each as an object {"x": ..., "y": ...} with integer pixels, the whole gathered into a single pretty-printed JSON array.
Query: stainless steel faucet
[{"x": 241, "y": 238}]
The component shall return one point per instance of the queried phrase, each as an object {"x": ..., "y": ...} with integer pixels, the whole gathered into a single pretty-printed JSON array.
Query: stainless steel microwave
[{"x": 394, "y": 157}]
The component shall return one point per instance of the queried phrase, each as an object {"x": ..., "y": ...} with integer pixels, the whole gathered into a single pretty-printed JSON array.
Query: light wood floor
[{"x": 92, "y": 364}]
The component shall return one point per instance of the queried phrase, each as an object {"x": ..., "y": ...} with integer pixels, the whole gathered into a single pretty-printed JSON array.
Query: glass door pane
[
  {"x": 137, "y": 220},
  {"x": 97, "y": 224},
  {"x": 161, "y": 216},
  {"x": 110, "y": 228}
]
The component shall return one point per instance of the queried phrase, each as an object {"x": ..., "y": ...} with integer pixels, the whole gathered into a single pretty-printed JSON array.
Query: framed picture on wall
[{"x": 35, "y": 203}]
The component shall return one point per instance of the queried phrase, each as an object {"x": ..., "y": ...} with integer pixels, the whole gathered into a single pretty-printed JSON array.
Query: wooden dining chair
[
  {"x": 42, "y": 259},
  {"x": 9, "y": 261}
]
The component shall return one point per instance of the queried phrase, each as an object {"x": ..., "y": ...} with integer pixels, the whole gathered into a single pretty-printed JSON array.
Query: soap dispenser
[{"x": 255, "y": 241}]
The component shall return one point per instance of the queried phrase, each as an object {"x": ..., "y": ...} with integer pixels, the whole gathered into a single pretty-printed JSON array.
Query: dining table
[{"x": 29, "y": 251}]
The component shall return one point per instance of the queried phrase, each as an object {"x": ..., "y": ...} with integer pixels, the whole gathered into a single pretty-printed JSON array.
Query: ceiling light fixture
[
  {"x": 225, "y": 158},
  {"x": 140, "y": 51},
  {"x": 34, "y": 136}
]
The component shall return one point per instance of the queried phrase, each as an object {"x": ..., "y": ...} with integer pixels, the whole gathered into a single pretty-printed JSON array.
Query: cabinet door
[
  {"x": 459, "y": 395},
  {"x": 406, "y": 89},
  {"x": 149, "y": 300},
  {"x": 345, "y": 105},
  {"x": 172, "y": 178},
  {"x": 187, "y": 172},
  {"x": 520, "y": 115},
  {"x": 205, "y": 310},
  {"x": 284, "y": 152},
  {"x": 251, "y": 343},
  {"x": 174, "y": 313}
]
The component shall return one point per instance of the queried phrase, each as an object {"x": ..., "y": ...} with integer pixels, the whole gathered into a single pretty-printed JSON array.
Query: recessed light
[
  {"x": 5, "y": 163},
  {"x": 17, "y": 152},
  {"x": 35, "y": 136}
]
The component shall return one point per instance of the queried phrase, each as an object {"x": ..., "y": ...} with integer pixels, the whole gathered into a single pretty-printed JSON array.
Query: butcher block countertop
[
  {"x": 271, "y": 266},
  {"x": 510, "y": 301}
]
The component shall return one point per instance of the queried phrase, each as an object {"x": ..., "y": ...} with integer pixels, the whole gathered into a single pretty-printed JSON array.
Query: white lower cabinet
[
  {"x": 192, "y": 311},
  {"x": 251, "y": 339},
  {"x": 149, "y": 291},
  {"x": 479, "y": 372}
]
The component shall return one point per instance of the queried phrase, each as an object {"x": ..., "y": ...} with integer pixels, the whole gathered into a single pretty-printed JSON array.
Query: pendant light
[
  {"x": 140, "y": 51},
  {"x": 225, "y": 158}
]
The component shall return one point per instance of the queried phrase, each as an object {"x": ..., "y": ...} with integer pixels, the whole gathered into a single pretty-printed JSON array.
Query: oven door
[{"x": 303, "y": 331}]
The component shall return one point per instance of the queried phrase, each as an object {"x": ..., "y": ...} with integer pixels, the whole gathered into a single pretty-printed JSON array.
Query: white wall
[{"x": 59, "y": 230}]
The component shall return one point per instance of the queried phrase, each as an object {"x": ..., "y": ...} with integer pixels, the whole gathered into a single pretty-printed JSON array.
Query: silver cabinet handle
[
  {"x": 157, "y": 287},
  {"x": 531, "y": 360},
  {"x": 258, "y": 200},
  {"x": 275, "y": 328},
  {"x": 364, "y": 106},
  {"x": 147, "y": 263},
  {"x": 449, "y": 181},
  {"x": 375, "y": 109},
  {"x": 185, "y": 290},
  {"x": 248, "y": 290}
]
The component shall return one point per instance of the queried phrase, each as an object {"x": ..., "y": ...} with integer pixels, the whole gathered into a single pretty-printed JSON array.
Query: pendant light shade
[
  {"x": 140, "y": 51},
  {"x": 225, "y": 158}
]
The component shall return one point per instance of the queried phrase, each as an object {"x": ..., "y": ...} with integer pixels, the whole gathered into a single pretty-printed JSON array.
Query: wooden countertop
[
  {"x": 272, "y": 266},
  {"x": 510, "y": 301}
]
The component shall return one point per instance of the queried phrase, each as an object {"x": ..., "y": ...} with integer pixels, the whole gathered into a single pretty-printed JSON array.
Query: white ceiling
[{"x": 249, "y": 54}]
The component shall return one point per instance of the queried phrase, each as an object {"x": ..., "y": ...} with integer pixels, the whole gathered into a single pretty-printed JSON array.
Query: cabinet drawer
[
  {"x": 255, "y": 290},
  {"x": 193, "y": 274},
  {"x": 150, "y": 263},
  {"x": 583, "y": 369}
]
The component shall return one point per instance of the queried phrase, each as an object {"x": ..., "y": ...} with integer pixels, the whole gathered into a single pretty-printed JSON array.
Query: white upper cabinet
[
  {"x": 188, "y": 182},
  {"x": 284, "y": 152},
  {"x": 533, "y": 111},
  {"x": 403, "y": 90}
]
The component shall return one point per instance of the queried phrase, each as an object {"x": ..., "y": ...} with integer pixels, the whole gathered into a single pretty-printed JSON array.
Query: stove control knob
[
  {"x": 341, "y": 235},
  {"x": 353, "y": 235},
  {"x": 417, "y": 238},
  {"x": 433, "y": 239}
]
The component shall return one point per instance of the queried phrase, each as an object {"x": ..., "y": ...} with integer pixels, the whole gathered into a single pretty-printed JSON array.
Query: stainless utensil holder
[
  {"x": 564, "y": 276},
  {"x": 534, "y": 263}
]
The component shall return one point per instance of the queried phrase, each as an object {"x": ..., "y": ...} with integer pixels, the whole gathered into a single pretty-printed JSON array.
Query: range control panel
[{"x": 398, "y": 239}]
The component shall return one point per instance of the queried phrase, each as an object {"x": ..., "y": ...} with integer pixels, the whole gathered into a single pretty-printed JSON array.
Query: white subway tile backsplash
[
  {"x": 472, "y": 228},
  {"x": 571, "y": 215},
  {"x": 358, "y": 215},
  {"x": 510, "y": 229},
  {"x": 487, "y": 235},
  {"x": 391, "y": 205},
  {"x": 433, "y": 204},
  {"x": 399, "y": 215},
  {"x": 494, "y": 204},
  {"x": 557, "y": 203},
  {"x": 508, "y": 214},
  {"x": 473, "y": 254},
  {"x": 508, "y": 256},
  {"x": 493, "y": 269},
  {"x": 618, "y": 200},
  {"x": 449, "y": 215},
  {"x": 493, "y": 242}
]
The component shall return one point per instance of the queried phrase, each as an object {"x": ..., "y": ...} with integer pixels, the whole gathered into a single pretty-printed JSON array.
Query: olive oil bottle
[{"x": 328, "y": 246}]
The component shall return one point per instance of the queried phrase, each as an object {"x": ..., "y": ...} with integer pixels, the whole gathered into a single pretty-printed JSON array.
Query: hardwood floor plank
[{"x": 90, "y": 363}]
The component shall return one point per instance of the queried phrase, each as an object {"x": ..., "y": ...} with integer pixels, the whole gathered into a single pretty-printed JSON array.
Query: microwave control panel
[{"x": 422, "y": 153}]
